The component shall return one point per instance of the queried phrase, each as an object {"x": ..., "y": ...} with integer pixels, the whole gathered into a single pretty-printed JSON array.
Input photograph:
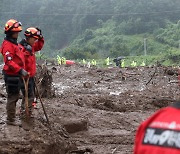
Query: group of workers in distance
[
  {"x": 159, "y": 134},
  {"x": 119, "y": 62},
  {"x": 19, "y": 64}
]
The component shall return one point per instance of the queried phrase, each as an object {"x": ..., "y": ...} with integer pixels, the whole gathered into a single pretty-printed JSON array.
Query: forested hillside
[
  {"x": 92, "y": 28},
  {"x": 106, "y": 42}
]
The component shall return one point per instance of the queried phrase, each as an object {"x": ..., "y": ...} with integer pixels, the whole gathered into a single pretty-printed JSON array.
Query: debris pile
[{"x": 44, "y": 82}]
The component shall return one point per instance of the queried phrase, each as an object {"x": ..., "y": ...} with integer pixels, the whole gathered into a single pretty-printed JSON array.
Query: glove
[
  {"x": 40, "y": 35},
  {"x": 23, "y": 72},
  {"x": 39, "y": 30}
]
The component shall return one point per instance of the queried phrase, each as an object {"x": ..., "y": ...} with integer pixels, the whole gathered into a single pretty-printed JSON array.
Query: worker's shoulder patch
[
  {"x": 9, "y": 58},
  {"x": 167, "y": 138},
  {"x": 7, "y": 53}
]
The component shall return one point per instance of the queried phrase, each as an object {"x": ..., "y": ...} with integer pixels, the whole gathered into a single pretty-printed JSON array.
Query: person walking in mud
[
  {"x": 32, "y": 43},
  {"x": 160, "y": 133},
  {"x": 14, "y": 68}
]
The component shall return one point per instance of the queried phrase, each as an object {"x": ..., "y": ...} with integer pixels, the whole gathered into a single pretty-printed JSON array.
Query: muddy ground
[{"x": 98, "y": 109}]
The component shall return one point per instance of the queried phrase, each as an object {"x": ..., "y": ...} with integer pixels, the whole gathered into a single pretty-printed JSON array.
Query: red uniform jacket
[
  {"x": 160, "y": 134},
  {"x": 29, "y": 54},
  {"x": 13, "y": 58}
]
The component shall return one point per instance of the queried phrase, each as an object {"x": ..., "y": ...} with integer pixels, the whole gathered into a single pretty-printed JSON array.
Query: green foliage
[
  {"x": 169, "y": 35},
  {"x": 105, "y": 42},
  {"x": 98, "y": 28}
]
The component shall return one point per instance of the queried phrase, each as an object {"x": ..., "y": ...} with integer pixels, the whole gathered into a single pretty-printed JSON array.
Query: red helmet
[
  {"x": 13, "y": 25},
  {"x": 32, "y": 32}
]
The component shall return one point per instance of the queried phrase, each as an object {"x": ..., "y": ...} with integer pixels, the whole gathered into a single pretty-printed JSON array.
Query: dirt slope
[{"x": 108, "y": 104}]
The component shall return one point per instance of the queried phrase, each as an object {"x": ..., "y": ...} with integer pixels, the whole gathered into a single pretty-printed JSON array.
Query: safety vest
[
  {"x": 107, "y": 61},
  {"x": 143, "y": 63},
  {"x": 83, "y": 61},
  {"x": 63, "y": 60},
  {"x": 133, "y": 64},
  {"x": 59, "y": 60},
  {"x": 93, "y": 62},
  {"x": 122, "y": 63}
]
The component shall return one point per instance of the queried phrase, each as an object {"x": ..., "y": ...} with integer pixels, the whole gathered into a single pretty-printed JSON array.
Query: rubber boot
[
  {"x": 11, "y": 110},
  {"x": 13, "y": 122}
]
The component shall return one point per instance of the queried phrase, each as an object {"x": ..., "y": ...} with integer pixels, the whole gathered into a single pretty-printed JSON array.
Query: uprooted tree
[{"x": 44, "y": 81}]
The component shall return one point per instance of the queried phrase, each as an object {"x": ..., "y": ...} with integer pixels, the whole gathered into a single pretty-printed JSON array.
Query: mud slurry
[
  {"x": 112, "y": 102},
  {"x": 34, "y": 137}
]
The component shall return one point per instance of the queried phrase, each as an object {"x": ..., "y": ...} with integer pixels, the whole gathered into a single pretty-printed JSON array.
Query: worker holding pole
[
  {"x": 14, "y": 68},
  {"x": 32, "y": 43}
]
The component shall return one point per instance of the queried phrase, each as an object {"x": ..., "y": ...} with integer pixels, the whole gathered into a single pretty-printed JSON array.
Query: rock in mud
[{"x": 76, "y": 125}]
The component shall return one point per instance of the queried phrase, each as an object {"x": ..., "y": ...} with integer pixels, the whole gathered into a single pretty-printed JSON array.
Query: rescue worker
[
  {"x": 133, "y": 64},
  {"x": 32, "y": 43},
  {"x": 14, "y": 67},
  {"x": 143, "y": 64},
  {"x": 93, "y": 62},
  {"x": 107, "y": 61},
  {"x": 63, "y": 60},
  {"x": 122, "y": 63},
  {"x": 118, "y": 61},
  {"x": 84, "y": 62},
  {"x": 160, "y": 134},
  {"x": 59, "y": 60}
]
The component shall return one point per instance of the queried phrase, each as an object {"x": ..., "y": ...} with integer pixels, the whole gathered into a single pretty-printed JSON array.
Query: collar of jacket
[
  {"x": 10, "y": 39},
  {"x": 176, "y": 105},
  {"x": 24, "y": 43}
]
